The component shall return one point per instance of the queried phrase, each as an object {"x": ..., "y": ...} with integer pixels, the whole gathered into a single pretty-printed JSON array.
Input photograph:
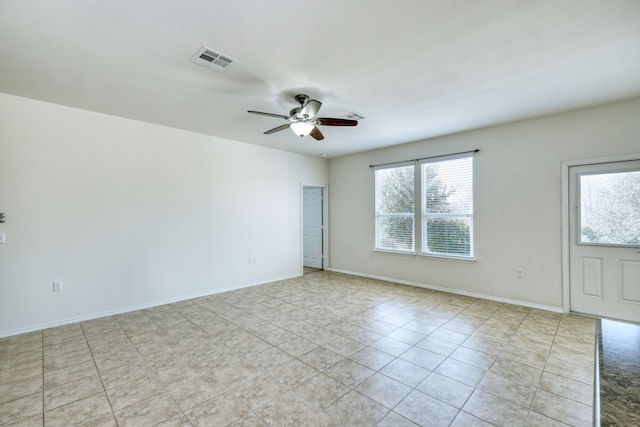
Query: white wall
[
  {"x": 128, "y": 214},
  {"x": 518, "y": 217}
]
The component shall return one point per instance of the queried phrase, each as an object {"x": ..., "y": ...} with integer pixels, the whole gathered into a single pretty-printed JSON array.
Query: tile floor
[{"x": 325, "y": 349}]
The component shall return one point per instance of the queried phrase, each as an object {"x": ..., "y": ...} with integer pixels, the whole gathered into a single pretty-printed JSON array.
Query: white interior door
[
  {"x": 312, "y": 227},
  {"x": 604, "y": 239}
]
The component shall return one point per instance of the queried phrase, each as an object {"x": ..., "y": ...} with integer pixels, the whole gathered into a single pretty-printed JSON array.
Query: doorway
[
  {"x": 604, "y": 239},
  {"x": 313, "y": 225}
]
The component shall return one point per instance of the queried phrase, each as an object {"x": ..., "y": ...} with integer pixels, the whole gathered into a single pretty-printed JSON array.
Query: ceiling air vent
[
  {"x": 211, "y": 59},
  {"x": 354, "y": 116}
]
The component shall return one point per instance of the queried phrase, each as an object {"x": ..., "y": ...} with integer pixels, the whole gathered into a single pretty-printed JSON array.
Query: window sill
[
  {"x": 448, "y": 258},
  {"x": 382, "y": 251},
  {"x": 415, "y": 254}
]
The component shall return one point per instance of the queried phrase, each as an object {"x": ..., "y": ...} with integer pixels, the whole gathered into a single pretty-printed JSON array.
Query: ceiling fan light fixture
[{"x": 302, "y": 128}]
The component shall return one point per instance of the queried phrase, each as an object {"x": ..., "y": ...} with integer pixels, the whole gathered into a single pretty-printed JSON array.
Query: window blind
[
  {"x": 395, "y": 209},
  {"x": 447, "y": 207}
]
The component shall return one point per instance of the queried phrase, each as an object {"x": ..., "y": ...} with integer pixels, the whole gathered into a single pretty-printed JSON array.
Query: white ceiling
[{"x": 414, "y": 68}]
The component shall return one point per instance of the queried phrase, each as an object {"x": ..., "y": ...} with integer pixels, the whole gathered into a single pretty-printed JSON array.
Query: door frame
[
  {"x": 566, "y": 203},
  {"x": 325, "y": 224}
]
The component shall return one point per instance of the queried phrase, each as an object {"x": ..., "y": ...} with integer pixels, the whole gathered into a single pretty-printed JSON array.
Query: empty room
[{"x": 251, "y": 213}]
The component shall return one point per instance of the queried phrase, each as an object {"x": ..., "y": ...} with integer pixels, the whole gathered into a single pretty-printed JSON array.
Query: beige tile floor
[{"x": 325, "y": 349}]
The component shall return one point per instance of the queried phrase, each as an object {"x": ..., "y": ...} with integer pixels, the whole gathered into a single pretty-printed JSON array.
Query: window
[
  {"x": 610, "y": 209},
  {"x": 447, "y": 207},
  {"x": 444, "y": 206},
  {"x": 395, "y": 209}
]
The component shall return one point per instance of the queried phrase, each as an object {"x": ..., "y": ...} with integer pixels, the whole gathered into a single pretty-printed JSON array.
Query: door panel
[
  {"x": 604, "y": 234},
  {"x": 629, "y": 279},
  {"x": 592, "y": 277},
  {"x": 312, "y": 227}
]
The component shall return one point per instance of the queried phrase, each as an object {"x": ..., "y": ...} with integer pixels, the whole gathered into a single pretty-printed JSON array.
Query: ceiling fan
[{"x": 303, "y": 120}]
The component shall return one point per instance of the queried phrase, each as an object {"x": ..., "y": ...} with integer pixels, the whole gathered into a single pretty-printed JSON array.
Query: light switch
[{"x": 3, "y": 239}]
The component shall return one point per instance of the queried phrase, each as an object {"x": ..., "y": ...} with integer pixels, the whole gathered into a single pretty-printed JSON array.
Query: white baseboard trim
[
  {"x": 48, "y": 325},
  {"x": 453, "y": 291}
]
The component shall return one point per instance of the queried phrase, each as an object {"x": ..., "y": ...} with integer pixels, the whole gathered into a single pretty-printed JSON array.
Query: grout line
[{"x": 93, "y": 359}]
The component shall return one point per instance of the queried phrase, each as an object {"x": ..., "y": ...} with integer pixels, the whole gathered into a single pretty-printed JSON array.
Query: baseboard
[
  {"x": 453, "y": 291},
  {"x": 71, "y": 320}
]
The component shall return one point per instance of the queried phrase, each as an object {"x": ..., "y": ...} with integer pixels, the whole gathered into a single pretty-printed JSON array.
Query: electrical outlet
[
  {"x": 3, "y": 239},
  {"x": 57, "y": 286},
  {"x": 519, "y": 272}
]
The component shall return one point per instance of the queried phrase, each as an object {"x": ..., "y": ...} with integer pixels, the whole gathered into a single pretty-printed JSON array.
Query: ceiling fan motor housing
[{"x": 302, "y": 99}]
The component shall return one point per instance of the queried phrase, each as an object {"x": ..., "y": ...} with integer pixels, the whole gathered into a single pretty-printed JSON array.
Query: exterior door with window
[
  {"x": 604, "y": 232},
  {"x": 312, "y": 226}
]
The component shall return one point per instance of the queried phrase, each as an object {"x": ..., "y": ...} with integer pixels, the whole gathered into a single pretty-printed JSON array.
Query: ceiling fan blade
[
  {"x": 311, "y": 108},
  {"x": 317, "y": 134},
  {"x": 278, "y": 116},
  {"x": 328, "y": 121},
  {"x": 278, "y": 129}
]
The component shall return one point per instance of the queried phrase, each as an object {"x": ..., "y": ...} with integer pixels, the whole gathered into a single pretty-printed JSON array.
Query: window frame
[
  {"x": 424, "y": 216},
  {"x": 581, "y": 208},
  {"x": 378, "y": 215},
  {"x": 420, "y": 216}
]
